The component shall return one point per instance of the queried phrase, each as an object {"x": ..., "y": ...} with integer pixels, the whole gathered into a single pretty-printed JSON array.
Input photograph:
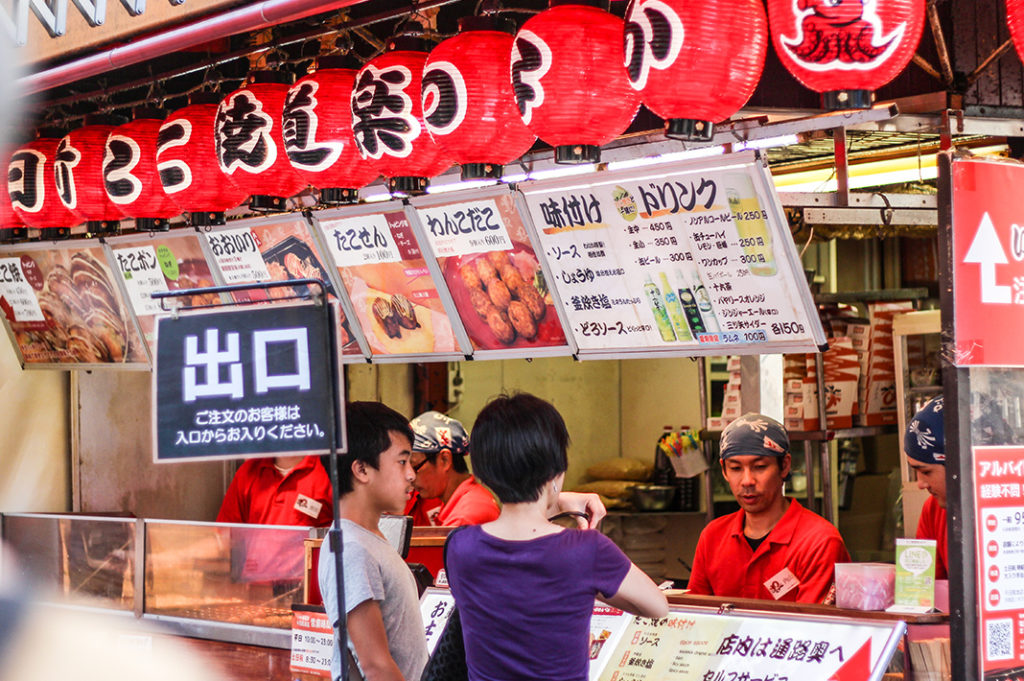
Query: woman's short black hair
[
  {"x": 519, "y": 445},
  {"x": 367, "y": 426}
]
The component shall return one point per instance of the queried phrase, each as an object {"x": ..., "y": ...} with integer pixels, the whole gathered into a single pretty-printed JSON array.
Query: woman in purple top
[{"x": 525, "y": 587}]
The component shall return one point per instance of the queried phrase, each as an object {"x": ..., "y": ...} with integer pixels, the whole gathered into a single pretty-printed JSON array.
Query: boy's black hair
[
  {"x": 368, "y": 426},
  {"x": 519, "y": 445}
]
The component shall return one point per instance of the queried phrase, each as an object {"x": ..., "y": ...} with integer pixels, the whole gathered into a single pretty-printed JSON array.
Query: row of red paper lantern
[{"x": 574, "y": 75}]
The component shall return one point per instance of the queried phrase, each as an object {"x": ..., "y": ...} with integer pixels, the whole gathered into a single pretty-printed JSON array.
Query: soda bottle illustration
[
  {"x": 675, "y": 310},
  {"x": 700, "y": 293},
  {"x": 657, "y": 304},
  {"x": 689, "y": 304},
  {"x": 755, "y": 238}
]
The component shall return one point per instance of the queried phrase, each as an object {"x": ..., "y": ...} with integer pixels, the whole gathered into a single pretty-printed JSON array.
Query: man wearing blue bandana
[{"x": 925, "y": 445}]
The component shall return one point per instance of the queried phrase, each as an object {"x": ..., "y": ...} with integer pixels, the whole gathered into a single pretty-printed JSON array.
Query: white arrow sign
[{"x": 987, "y": 251}]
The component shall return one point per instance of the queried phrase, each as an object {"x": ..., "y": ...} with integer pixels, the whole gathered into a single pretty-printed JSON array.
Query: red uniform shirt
[
  {"x": 797, "y": 558},
  {"x": 470, "y": 504},
  {"x": 260, "y": 495},
  {"x": 932, "y": 525}
]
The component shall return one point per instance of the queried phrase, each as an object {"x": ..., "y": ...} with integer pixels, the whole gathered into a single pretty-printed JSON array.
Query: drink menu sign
[
  {"x": 495, "y": 278},
  {"x": 378, "y": 257},
  {"x": 63, "y": 307},
  {"x": 694, "y": 258},
  {"x": 276, "y": 249},
  {"x": 157, "y": 263},
  {"x": 999, "y": 502}
]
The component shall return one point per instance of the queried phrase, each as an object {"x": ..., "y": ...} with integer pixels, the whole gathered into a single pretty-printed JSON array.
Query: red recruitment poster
[
  {"x": 988, "y": 266},
  {"x": 998, "y": 472}
]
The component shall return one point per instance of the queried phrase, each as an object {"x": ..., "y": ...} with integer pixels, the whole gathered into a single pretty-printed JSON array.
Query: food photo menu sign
[
  {"x": 403, "y": 313},
  {"x": 692, "y": 258},
  {"x": 496, "y": 280},
  {"x": 278, "y": 249},
  {"x": 64, "y": 310}
]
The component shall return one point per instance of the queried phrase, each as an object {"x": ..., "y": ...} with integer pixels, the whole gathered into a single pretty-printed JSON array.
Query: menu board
[
  {"x": 693, "y": 258},
  {"x": 495, "y": 278},
  {"x": 63, "y": 307},
  {"x": 691, "y": 644},
  {"x": 151, "y": 263},
  {"x": 280, "y": 248},
  {"x": 402, "y": 312}
]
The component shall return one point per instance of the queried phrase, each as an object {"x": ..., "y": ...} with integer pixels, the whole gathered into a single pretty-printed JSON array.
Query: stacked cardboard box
[
  {"x": 842, "y": 370},
  {"x": 731, "y": 405},
  {"x": 878, "y": 382}
]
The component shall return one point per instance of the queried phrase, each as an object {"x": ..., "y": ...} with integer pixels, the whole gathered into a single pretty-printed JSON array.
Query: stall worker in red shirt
[
  {"x": 925, "y": 446},
  {"x": 439, "y": 458},
  {"x": 287, "y": 490},
  {"x": 772, "y": 548}
]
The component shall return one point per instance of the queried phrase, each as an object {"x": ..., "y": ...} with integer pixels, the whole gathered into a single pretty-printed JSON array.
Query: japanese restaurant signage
[
  {"x": 694, "y": 258},
  {"x": 243, "y": 383}
]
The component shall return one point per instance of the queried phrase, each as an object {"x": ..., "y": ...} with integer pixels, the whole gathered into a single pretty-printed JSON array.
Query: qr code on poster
[{"x": 999, "y": 639}]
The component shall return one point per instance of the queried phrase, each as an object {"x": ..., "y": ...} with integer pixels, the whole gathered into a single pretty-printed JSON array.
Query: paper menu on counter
[
  {"x": 607, "y": 625},
  {"x": 915, "y": 575},
  {"x": 496, "y": 280},
  {"x": 377, "y": 255},
  {"x": 692, "y": 257},
  {"x": 278, "y": 248}
]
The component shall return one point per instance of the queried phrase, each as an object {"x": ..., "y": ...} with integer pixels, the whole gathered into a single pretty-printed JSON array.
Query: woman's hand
[{"x": 583, "y": 502}]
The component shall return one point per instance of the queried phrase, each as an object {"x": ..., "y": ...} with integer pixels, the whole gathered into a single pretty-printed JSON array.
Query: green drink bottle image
[
  {"x": 657, "y": 304},
  {"x": 707, "y": 312},
  {"x": 689, "y": 304},
  {"x": 675, "y": 310}
]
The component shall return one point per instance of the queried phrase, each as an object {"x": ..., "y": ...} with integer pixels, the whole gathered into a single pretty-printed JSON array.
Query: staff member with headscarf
[{"x": 925, "y": 445}]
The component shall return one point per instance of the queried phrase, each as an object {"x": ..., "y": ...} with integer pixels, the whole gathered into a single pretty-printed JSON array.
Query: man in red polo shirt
[
  {"x": 293, "y": 490},
  {"x": 925, "y": 445},
  {"x": 772, "y": 548}
]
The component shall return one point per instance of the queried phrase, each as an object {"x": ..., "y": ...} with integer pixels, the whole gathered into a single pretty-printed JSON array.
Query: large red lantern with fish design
[
  {"x": 845, "y": 49},
  {"x": 1015, "y": 20},
  {"x": 78, "y": 174},
  {"x": 468, "y": 103},
  {"x": 32, "y": 191},
  {"x": 387, "y": 117},
  {"x": 317, "y": 129},
  {"x": 570, "y": 81},
  {"x": 250, "y": 146},
  {"x": 695, "y": 62},
  {"x": 186, "y": 159},
  {"x": 130, "y": 174}
]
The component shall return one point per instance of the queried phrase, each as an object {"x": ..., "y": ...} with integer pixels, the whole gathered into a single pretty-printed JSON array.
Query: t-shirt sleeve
[
  {"x": 363, "y": 579},
  {"x": 231, "y": 510},
  {"x": 609, "y": 562},
  {"x": 925, "y": 524},
  {"x": 699, "y": 583},
  {"x": 817, "y": 584}
]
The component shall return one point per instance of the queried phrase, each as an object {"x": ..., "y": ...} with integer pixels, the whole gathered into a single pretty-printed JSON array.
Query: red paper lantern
[
  {"x": 317, "y": 129},
  {"x": 570, "y": 83},
  {"x": 1015, "y": 20},
  {"x": 845, "y": 49},
  {"x": 695, "y": 62},
  {"x": 387, "y": 118},
  {"x": 32, "y": 192},
  {"x": 11, "y": 226},
  {"x": 468, "y": 103},
  {"x": 130, "y": 175},
  {"x": 186, "y": 160},
  {"x": 78, "y": 174},
  {"x": 250, "y": 146}
]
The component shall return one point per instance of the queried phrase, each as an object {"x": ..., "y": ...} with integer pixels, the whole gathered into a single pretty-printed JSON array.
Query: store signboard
[
  {"x": 688, "y": 258},
  {"x": 497, "y": 282},
  {"x": 151, "y": 263},
  {"x": 63, "y": 308},
  {"x": 279, "y": 248},
  {"x": 312, "y": 641},
  {"x": 697, "y": 644},
  {"x": 999, "y": 504},
  {"x": 243, "y": 383},
  {"x": 402, "y": 311},
  {"x": 988, "y": 265}
]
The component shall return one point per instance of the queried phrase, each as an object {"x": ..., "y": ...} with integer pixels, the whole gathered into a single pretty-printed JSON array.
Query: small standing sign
[{"x": 243, "y": 383}]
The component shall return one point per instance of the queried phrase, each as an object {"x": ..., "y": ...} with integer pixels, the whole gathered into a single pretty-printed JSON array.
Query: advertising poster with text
[
  {"x": 493, "y": 273},
  {"x": 63, "y": 307},
  {"x": 999, "y": 504},
  {"x": 683, "y": 257},
  {"x": 393, "y": 295}
]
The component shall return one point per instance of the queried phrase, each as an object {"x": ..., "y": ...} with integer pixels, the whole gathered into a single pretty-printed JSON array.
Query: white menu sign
[
  {"x": 237, "y": 253},
  {"x": 363, "y": 240},
  {"x": 464, "y": 228},
  {"x": 691, "y": 257},
  {"x": 436, "y": 607},
  {"x": 17, "y": 293},
  {"x": 142, "y": 275}
]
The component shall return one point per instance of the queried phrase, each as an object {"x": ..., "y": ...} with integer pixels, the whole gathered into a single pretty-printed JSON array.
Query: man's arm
[
  {"x": 698, "y": 582},
  {"x": 817, "y": 584},
  {"x": 370, "y": 639}
]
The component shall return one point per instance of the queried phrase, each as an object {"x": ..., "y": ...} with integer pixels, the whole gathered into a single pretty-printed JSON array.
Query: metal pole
[{"x": 702, "y": 391}]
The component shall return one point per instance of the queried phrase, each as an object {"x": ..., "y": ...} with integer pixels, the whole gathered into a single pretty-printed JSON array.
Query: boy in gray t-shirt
[{"x": 385, "y": 630}]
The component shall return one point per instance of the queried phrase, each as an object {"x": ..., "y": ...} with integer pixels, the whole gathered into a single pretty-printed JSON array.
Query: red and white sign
[
  {"x": 999, "y": 552},
  {"x": 312, "y": 643},
  {"x": 988, "y": 266}
]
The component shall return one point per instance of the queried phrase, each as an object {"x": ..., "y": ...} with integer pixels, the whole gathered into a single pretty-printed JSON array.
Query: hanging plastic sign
[
  {"x": 691, "y": 258},
  {"x": 365, "y": 240},
  {"x": 16, "y": 294},
  {"x": 498, "y": 284},
  {"x": 242, "y": 383},
  {"x": 238, "y": 257}
]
